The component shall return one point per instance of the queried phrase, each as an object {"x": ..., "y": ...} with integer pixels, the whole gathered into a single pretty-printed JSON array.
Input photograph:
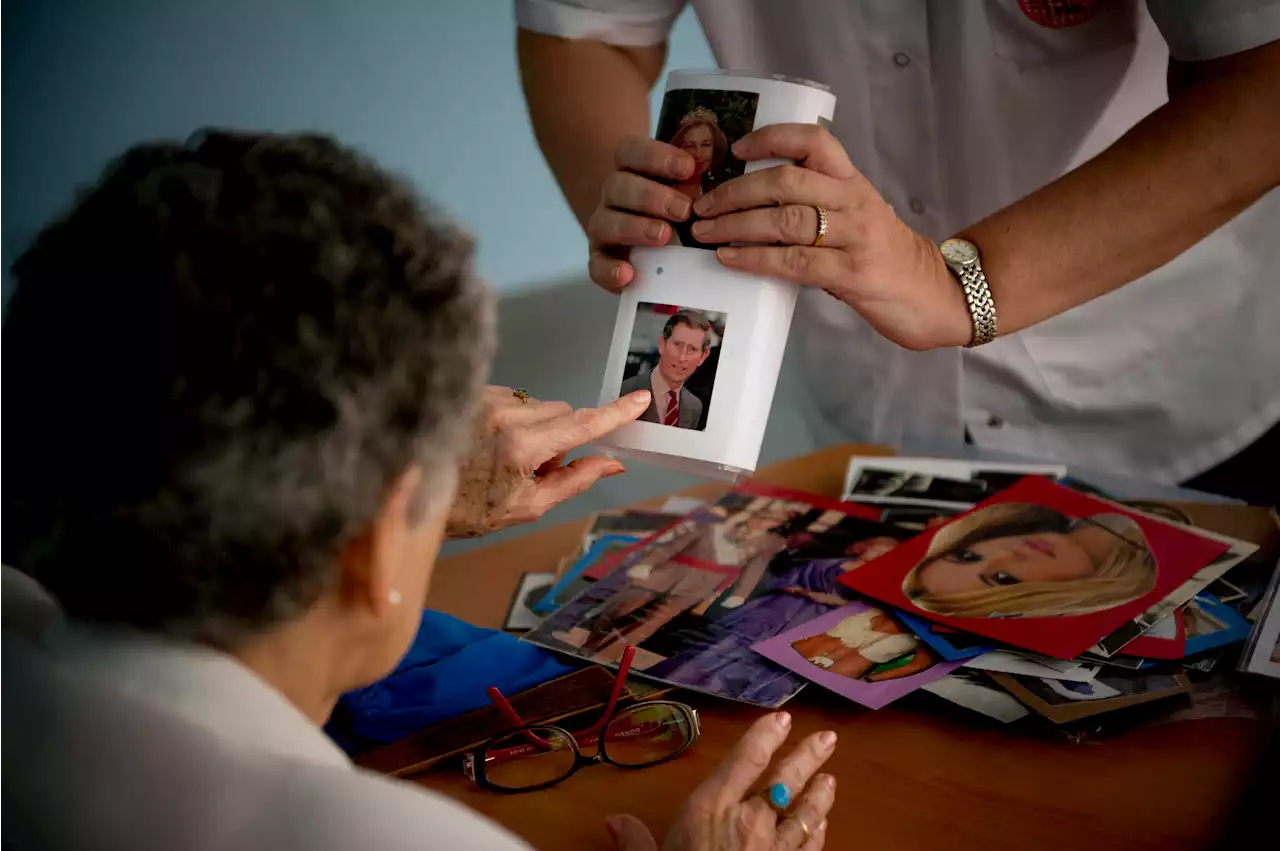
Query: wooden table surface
[{"x": 906, "y": 778}]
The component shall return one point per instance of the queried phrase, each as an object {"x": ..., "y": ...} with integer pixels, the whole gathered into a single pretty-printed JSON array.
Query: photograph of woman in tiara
[{"x": 705, "y": 124}]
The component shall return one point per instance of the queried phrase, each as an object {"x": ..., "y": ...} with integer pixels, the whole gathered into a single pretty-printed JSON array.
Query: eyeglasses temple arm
[
  {"x": 511, "y": 715},
  {"x": 619, "y": 683}
]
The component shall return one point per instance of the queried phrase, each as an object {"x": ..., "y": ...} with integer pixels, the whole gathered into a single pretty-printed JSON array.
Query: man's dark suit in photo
[{"x": 690, "y": 411}]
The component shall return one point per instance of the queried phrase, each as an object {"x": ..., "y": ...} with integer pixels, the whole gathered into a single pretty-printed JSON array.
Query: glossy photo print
[
  {"x": 520, "y": 615},
  {"x": 605, "y": 548},
  {"x": 1261, "y": 653},
  {"x": 673, "y": 354},
  {"x": 1039, "y": 566},
  {"x": 751, "y": 524},
  {"x": 696, "y": 597},
  {"x": 950, "y": 644},
  {"x": 1062, "y": 701},
  {"x": 941, "y": 483},
  {"x": 705, "y": 124},
  {"x": 860, "y": 652},
  {"x": 1210, "y": 623},
  {"x": 1122, "y": 638}
]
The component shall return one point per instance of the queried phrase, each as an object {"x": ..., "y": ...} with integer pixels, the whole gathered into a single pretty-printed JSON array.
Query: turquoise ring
[{"x": 779, "y": 797}]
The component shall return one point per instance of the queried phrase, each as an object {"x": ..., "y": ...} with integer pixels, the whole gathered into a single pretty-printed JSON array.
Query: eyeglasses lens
[
  {"x": 647, "y": 733},
  {"x": 529, "y": 758}
]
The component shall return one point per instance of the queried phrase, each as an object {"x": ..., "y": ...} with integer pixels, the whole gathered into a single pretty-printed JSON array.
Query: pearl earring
[{"x": 394, "y": 597}]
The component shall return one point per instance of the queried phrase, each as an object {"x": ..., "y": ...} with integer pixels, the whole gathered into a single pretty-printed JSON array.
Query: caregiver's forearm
[
  {"x": 1176, "y": 176},
  {"x": 583, "y": 97}
]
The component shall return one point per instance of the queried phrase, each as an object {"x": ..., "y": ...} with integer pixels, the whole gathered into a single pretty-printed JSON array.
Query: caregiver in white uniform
[{"x": 1125, "y": 222}]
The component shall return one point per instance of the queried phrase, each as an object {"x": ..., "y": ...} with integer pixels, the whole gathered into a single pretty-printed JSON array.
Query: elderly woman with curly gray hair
[{"x": 245, "y": 376}]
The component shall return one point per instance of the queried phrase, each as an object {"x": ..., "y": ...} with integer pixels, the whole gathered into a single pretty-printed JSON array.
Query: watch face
[{"x": 959, "y": 251}]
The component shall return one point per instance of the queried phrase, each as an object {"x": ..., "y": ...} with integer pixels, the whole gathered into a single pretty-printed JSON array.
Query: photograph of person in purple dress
[{"x": 717, "y": 655}]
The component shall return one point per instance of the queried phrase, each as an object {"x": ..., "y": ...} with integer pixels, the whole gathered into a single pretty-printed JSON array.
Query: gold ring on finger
[
  {"x": 803, "y": 827},
  {"x": 822, "y": 224}
]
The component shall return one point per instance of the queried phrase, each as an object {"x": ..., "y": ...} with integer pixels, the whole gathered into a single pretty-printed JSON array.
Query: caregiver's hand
[
  {"x": 635, "y": 208},
  {"x": 870, "y": 259},
  {"x": 723, "y": 815},
  {"x": 515, "y": 470}
]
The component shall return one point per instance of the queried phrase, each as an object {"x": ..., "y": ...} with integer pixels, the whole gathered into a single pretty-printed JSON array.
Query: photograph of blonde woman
[
  {"x": 705, "y": 124},
  {"x": 1023, "y": 560}
]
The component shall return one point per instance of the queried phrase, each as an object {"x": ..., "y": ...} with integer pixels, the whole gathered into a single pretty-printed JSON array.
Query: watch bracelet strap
[{"x": 982, "y": 308}]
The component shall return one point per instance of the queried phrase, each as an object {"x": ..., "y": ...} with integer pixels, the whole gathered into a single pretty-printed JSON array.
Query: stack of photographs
[
  {"x": 996, "y": 588},
  {"x": 606, "y": 535},
  {"x": 696, "y": 597}
]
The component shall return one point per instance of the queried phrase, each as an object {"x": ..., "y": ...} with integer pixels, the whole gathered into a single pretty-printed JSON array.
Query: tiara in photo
[{"x": 700, "y": 113}]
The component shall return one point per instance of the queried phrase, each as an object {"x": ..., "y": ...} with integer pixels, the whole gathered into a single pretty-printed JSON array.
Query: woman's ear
[
  {"x": 381, "y": 567},
  {"x": 389, "y": 540}
]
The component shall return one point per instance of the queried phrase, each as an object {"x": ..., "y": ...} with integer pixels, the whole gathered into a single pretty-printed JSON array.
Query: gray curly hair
[{"x": 222, "y": 358}]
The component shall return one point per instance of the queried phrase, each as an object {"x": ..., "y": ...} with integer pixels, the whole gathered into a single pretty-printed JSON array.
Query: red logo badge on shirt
[{"x": 1057, "y": 14}]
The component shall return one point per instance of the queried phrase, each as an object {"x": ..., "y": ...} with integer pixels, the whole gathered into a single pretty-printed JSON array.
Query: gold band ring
[
  {"x": 803, "y": 827},
  {"x": 822, "y": 224}
]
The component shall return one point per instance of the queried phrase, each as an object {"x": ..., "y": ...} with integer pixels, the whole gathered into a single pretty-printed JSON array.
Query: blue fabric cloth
[{"x": 446, "y": 672}]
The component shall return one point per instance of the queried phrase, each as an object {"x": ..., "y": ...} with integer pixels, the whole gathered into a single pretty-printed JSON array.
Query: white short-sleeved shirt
[
  {"x": 115, "y": 741},
  {"x": 956, "y": 109}
]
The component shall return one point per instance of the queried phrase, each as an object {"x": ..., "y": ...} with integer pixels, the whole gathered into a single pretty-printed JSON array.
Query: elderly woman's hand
[
  {"x": 515, "y": 470},
  {"x": 723, "y": 815},
  {"x": 869, "y": 259}
]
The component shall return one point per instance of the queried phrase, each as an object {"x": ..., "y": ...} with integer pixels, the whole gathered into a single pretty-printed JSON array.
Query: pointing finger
[{"x": 587, "y": 424}]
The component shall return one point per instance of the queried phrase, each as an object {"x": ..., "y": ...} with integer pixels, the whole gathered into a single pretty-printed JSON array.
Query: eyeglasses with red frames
[{"x": 536, "y": 756}]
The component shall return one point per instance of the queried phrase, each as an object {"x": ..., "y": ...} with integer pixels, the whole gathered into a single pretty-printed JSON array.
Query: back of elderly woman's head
[{"x": 218, "y": 364}]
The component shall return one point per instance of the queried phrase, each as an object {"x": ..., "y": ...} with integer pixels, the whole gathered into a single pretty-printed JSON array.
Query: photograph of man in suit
[{"x": 685, "y": 343}]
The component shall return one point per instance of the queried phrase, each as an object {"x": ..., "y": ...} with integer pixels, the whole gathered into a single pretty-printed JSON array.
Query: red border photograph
[{"x": 1038, "y": 566}]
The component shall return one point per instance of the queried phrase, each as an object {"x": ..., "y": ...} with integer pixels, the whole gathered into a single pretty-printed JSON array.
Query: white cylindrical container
[{"x": 706, "y": 340}]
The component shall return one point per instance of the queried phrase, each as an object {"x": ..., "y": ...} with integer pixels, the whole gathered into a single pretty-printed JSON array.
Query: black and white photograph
[
  {"x": 705, "y": 124},
  {"x": 935, "y": 482},
  {"x": 521, "y": 617},
  {"x": 673, "y": 354},
  {"x": 1262, "y": 651},
  {"x": 917, "y": 486}
]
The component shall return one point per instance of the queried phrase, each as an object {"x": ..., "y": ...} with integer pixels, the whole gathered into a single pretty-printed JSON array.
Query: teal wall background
[{"x": 428, "y": 87}]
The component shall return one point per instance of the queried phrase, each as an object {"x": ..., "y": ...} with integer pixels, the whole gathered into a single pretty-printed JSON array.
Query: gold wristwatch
[{"x": 962, "y": 258}]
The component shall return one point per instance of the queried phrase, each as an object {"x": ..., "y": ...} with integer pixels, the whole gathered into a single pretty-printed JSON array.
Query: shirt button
[
  {"x": 916, "y": 205},
  {"x": 902, "y": 60},
  {"x": 995, "y": 422}
]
